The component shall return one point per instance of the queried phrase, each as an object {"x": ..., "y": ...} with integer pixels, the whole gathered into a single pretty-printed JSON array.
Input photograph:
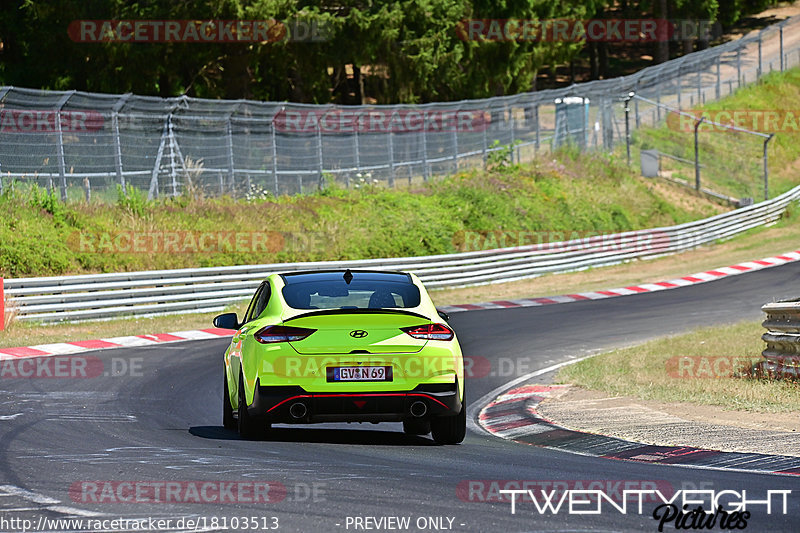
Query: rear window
[{"x": 366, "y": 290}]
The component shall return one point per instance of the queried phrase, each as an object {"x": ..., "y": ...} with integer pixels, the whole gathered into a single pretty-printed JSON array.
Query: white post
[
  {"x": 391, "y": 149},
  {"x": 231, "y": 170},
  {"x": 117, "y": 142},
  {"x": 153, "y": 190},
  {"x": 60, "y": 148},
  {"x": 274, "y": 159}
]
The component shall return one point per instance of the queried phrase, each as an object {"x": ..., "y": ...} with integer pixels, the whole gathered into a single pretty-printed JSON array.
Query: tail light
[
  {"x": 431, "y": 332},
  {"x": 273, "y": 334}
]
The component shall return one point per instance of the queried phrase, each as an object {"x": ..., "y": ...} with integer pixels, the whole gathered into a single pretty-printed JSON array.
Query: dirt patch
[
  {"x": 694, "y": 202},
  {"x": 674, "y": 424}
]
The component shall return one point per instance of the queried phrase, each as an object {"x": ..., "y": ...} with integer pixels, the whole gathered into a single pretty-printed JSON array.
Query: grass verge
[
  {"x": 570, "y": 192},
  {"x": 756, "y": 244},
  {"x": 687, "y": 368}
]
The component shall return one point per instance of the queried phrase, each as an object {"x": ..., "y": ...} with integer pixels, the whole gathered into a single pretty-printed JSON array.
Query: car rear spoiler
[{"x": 360, "y": 311}]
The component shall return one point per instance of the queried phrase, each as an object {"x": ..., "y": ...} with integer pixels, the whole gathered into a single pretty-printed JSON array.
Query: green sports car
[{"x": 343, "y": 346}]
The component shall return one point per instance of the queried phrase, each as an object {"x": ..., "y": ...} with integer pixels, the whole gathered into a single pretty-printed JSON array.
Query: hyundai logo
[{"x": 358, "y": 333}]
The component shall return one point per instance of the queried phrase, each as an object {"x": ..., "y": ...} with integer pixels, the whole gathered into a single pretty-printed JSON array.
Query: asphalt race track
[{"x": 159, "y": 420}]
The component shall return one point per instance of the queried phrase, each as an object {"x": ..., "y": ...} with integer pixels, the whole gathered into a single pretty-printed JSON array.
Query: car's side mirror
[
  {"x": 226, "y": 321},
  {"x": 444, "y": 315}
]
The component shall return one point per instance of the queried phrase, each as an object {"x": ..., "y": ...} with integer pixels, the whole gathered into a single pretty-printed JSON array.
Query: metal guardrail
[
  {"x": 782, "y": 337},
  {"x": 101, "y": 296}
]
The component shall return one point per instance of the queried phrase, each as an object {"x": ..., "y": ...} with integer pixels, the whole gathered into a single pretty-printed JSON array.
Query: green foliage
[
  {"x": 40, "y": 198},
  {"x": 402, "y": 51},
  {"x": 501, "y": 156},
  {"x": 578, "y": 193},
  {"x": 132, "y": 200}
]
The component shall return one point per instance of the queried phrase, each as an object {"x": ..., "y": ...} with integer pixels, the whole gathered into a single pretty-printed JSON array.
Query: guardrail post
[
  {"x": 274, "y": 158},
  {"x": 2, "y": 306},
  {"x": 391, "y": 149},
  {"x": 425, "y": 169},
  {"x": 455, "y": 148},
  {"x": 766, "y": 166},
  {"x": 117, "y": 142},
  {"x": 536, "y": 116},
  {"x": 485, "y": 140},
  {"x": 513, "y": 133},
  {"x": 62, "y": 173},
  {"x": 658, "y": 102},
  {"x": 699, "y": 87},
  {"x": 231, "y": 170},
  {"x": 118, "y": 152},
  {"x": 319, "y": 152},
  {"x": 627, "y": 126},
  {"x": 718, "y": 91},
  {"x": 780, "y": 29},
  {"x": 697, "y": 155},
  {"x": 172, "y": 170},
  {"x": 153, "y": 190},
  {"x": 739, "y": 66},
  {"x": 759, "y": 54},
  {"x": 356, "y": 149}
]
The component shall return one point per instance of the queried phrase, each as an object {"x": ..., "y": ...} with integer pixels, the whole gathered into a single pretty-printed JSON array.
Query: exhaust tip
[
  {"x": 418, "y": 409},
  {"x": 298, "y": 410}
]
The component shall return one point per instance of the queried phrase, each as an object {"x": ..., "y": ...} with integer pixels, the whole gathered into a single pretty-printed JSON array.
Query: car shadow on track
[{"x": 320, "y": 435}]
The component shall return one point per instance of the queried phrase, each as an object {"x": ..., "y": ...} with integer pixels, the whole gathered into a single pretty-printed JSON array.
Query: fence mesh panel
[{"x": 166, "y": 146}]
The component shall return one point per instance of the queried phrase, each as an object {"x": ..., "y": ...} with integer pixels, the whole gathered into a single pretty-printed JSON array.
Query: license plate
[{"x": 359, "y": 373}]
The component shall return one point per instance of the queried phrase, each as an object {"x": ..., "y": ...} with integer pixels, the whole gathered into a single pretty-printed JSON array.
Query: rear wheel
[
  {"x": 228, "y": 420},
  {"x": 250, "y": 427},
  {"x": 416, "y": 427},
  {"x": 450, "y": 429}
]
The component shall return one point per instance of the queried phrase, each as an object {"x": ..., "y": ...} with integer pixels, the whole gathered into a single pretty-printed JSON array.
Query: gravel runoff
[{"x": 630, "y": 419}]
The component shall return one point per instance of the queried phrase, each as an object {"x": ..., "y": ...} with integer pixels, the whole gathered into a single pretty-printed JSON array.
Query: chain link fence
[
  {"x": 81, "y": 143},
  {"x": 720, "y": 159}
]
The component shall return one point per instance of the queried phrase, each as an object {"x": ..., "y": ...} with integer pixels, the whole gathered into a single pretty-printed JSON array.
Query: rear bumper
[{"x": 295, "y": 405}]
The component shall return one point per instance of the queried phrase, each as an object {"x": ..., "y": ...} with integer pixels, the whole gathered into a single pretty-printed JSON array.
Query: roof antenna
[{"x": 348, "y": 276}]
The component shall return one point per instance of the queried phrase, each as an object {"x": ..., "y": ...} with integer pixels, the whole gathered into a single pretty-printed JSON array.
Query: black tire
[
  {"x": 228, "y": 420},
  {"x": 450, "y": 429},
  {"x": 416, "y": 427},
  {"x": 250, "y": 427}
]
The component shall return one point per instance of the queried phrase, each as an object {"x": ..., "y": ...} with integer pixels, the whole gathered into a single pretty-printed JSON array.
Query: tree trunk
[
  {"x": 594, "y": 66},
  {"x": 662, "y": 45},
  {"x": 602, "y": 57},
  {"x": 358, "y": 78},
  {"x": 236, "y": 78}
]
